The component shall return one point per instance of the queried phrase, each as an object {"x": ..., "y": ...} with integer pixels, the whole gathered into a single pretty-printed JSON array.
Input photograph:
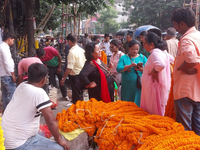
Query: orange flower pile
[{"x": 124, "y": 126}]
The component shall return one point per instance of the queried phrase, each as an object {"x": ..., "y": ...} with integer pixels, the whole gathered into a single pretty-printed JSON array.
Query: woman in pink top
[
  {"x": 114, "y": 59},
  {"x": 156, "y": 77}
]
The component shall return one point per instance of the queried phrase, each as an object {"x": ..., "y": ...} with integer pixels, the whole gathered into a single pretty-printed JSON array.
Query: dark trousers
[
  {"x": 52, "y": 79},
  {"x": 188, "y": 114},
  {"x": 76, "y": 93},
  {"x": 108, "y": 60}
]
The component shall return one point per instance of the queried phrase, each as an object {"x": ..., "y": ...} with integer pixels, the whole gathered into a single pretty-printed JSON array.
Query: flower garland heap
[
  {"x": 124, "y": 126},
  {"x": 2, "y": 147}
]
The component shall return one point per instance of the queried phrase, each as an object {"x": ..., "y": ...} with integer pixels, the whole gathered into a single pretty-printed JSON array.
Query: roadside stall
[{"x": 124, "y": 126}]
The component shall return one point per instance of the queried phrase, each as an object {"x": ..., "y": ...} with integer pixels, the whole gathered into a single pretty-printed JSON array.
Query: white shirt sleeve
[
  {"x": 42, "y": 100},
  {"x": 7, "y": 59}
]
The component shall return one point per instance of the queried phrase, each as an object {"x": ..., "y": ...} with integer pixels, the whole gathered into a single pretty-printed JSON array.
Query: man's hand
[
  {"x": 93, "y": 84},
  {"x": 14, "y": 78},
  {"x": 53, "y": 127},
  {"x": 191, "y": 71},
  {"x": 62, "y": 82},
  {"x": 102, "y": 48},
  {"x": 64, "y": 143},
  {"x": 58, "y": 70}
]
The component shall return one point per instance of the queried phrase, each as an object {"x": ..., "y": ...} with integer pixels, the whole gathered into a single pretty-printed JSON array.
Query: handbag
[{"x": 139, "y": 78}]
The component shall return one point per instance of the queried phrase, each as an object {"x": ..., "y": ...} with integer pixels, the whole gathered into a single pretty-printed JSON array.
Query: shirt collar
[
  {"x": 74, "y": 47},
  {"x": 188, "y": 31},
  {"x": 5, "y": 44}
]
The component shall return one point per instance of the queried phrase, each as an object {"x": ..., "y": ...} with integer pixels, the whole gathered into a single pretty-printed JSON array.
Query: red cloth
[
  {"x": 104, "y": 87},
  {"x": 51, "y": 52}
]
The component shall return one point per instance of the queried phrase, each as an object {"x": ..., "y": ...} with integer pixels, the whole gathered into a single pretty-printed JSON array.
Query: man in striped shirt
[{"x": 21, "y": 118}]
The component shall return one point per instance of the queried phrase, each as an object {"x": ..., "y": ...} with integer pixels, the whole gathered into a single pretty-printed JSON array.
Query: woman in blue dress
[{"x": 128, "y": 65}]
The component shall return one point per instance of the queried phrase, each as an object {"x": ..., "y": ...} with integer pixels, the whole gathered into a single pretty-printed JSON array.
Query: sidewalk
[{"x": 62, "y": 104}]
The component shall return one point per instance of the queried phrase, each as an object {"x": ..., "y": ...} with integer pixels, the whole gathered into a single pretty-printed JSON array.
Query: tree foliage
[
  {"x": 124, "y": 24},
  {"x": 55, "y": 19},
  {"x": 89, "y": 7},
  {"x": 154, "y": 12},
  {"x": 106, "y": 23}
]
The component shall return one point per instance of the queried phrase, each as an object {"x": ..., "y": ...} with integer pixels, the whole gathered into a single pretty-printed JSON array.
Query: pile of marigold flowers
[
  {"x": 124, "y": 126},
  {"x": 2, "y": 147}
]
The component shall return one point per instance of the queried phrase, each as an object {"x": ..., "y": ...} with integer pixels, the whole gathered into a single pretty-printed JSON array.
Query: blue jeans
[
  {"x": 39, "y": 142},
  {"x": 188, "y": 114},
  {"x": 7, "y": 88}
]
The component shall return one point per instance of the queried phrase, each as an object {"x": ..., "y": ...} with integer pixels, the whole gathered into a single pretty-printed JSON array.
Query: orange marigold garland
[
  {"x": 124, "y": 126},
  {"x": 169, "y": 110}
]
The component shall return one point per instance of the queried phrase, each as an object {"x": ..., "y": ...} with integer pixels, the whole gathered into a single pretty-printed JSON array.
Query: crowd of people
[{"x": 141, "y": 70}]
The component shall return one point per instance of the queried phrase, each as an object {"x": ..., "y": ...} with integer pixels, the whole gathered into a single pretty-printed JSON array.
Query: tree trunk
[
  {"x": 74, "y": 25},
  {"x": 37, "y": 5},
  {"x": 66, "y": 23},
  {"x": 11, "y": 26},
  {"x": 29, "y": 27},
  {"x": 62, "y": 20},
  {"x": 75, "y": 14},
  {"x": 70, "y": 18},
  {"x": 79, "y": 23}
]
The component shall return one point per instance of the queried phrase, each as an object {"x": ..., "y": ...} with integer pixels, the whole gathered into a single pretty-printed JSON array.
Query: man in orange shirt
[{"x": 186, "y": 76}]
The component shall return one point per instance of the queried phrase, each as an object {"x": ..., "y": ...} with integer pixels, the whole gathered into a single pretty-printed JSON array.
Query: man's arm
[
  {"x": 188, "y": 68},
  {"x": 59, "y": 63},
  {"x": 20, "y": 79},
  {"x": 186, "y": 65},
  {"x": 53, "y": 127},
  {"x": 189, "y": 52},
  {"x": 8, "y": 62},
  {"x": 67, "y": 72}
]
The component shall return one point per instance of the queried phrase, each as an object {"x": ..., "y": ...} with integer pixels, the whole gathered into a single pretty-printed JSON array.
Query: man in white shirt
[
  {"x": 105, "y": 46},
  {"x": 76, "y": 60},
  {"x": 7, "y": 74},
  {"x": 172, "y": 42},
  {"x": 21, "y": 119}
]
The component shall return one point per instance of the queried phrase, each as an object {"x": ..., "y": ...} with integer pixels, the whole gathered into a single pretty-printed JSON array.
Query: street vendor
[
  {"x": 21, "y": 118},
  {"x": 53, "y": 60},
  {"x": 24, "y": 65}
]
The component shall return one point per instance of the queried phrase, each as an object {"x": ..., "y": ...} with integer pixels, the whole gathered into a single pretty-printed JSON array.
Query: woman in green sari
[{"x": 128, "y": 65}]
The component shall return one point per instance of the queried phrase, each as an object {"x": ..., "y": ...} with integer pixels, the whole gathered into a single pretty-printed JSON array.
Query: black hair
[
  {"x": 72, "y": 38},
  {"x": 86, "y": 35},
  {"x": 156, "y": 40},
  {"x": 133, "y": 42},
  {"x": 131, "y": 35},
  {"x": 171, "y": 32},
  {"x": 36, "y": 72},
  {"x": 117, "y": 44},
  {"x": 8, "y": 35},
  {"x": 106, "y": 35},
  {"x": 184, "y": 14},
  {"x": 40, "y": 52},
  {"x": 143, "y": 33},
  {"x": 95, "y": 38},
  {"x": 89, "y": 49}
]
